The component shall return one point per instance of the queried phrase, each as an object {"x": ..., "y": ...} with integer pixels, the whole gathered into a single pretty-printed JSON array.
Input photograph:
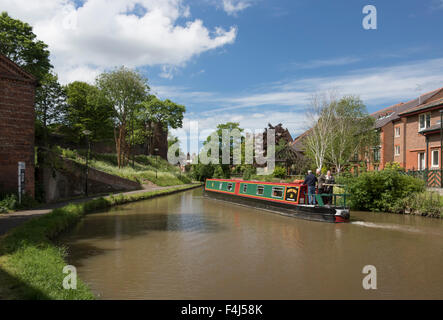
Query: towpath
[{"x": 12, "y": 220}]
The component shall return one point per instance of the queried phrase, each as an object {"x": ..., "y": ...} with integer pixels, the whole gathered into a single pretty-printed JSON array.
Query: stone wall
[{"x": 69, "y": 181}]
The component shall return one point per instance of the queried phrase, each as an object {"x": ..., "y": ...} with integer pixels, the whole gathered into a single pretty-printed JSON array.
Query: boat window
[
  {"x": 245, "y": 188},
  {"x": 230, "y": 186},
  {"x": 221, "y": 185},
  {"x": 277, "y": 192},
  {"x": 260, "y": 190}
]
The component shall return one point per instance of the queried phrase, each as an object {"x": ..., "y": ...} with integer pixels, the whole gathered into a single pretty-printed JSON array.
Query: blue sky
[{"x": 251, "y": 61}]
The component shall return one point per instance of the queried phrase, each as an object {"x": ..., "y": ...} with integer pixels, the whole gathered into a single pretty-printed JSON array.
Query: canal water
[{"x": 185, "y": 246}]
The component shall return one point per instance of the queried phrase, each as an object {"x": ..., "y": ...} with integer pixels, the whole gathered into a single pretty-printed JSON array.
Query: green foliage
[
  {"x": 248, "y": 172},
  {"x": 394, "y": 166},
  {"x": 424, "y": 203},
  {"x": 279, "y": 172},
  {"x": 125, "y": 90},
  {"x": 201, "y": 172},
  {"x": 9, "y": 202},
  {"x": 380, "y": 190},
  {"x": 218, "y": 173},
  {"x": 88, "y": 109},
  {"x": 35, "y": 263},
  {"x": 20, "y": 44},
  {"x": 50, "y": 101}
]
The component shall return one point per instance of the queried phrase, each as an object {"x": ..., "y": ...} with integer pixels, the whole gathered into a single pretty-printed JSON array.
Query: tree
[
  {"x": 125, "y": 90},
  {"x": 20, "y": 44},
  {"x": 88, "y": 109},
  {"x": 351, "y": 131},
  {"x": 157, "y": 116},
  {"x": 321, "y": 118},
  {"x": 50, "y": 105}
]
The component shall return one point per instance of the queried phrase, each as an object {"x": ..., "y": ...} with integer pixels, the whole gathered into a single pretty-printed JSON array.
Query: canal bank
[{"x": 31, "y": 265}]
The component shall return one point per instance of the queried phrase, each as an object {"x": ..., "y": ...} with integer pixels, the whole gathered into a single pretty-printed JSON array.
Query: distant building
[{"x": 17, "y": 127}]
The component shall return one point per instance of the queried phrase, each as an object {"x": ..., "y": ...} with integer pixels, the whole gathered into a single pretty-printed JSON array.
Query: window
[
  {"x": 260, "y": 190},
  {"x": 421, "y": 161},
  {"x": 230, "y": 185},
  {"x": 397, "y": 132},
  {"x": 435, "y": 157},
  {"x": 424, "y": 121},
  {"x": 245, "y": 188},
  {"x": 376, "y": 155},
  {"x": 277, "y": 192},
  {"x": 397, "y": 150},
  {"x": 221, "y": 185}
]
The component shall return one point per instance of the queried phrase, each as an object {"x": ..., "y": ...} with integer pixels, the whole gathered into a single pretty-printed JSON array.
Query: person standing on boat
[
  {"x": 321, "y": 181},
  {"x": 329, "y": 188},
  {"x": 310, "y": 181}
]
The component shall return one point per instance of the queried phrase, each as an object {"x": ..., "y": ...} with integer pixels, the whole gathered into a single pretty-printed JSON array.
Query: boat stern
[{"x": 342, "y": 215}]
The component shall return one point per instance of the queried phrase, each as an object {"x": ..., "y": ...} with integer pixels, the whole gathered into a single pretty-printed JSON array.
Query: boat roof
[{"x": 259, "y": 182}]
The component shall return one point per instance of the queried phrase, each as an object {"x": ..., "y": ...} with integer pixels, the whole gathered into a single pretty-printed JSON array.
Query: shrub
[
  {"x": 425, "y": 204},
  {"x": 248, "y": 172},
  {"x": 381, "y": 190},
  {"x": 218, "y": 173},
  {"x": 9, "y": 202},
  {"x": 279, "y": 172},
  {"x": 201, "y": 172}
]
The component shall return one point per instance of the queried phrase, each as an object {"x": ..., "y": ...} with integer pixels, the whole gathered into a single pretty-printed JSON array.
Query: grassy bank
[
  {"x": 146, "y": 168},
  {"x": 31, "y": 265}
]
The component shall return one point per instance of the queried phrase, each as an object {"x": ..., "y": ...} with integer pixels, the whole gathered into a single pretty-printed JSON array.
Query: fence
[{"x": 432, "y": 178}]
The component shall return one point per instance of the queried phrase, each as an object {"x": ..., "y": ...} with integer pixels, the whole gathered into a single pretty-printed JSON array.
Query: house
[
  {"x": 17, "y": 121},
  {"x": 399, "y": 132},
  {"x": 422, "y": 148}
]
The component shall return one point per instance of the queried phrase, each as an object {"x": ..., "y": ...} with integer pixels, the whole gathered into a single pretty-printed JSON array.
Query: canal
[{"x": 185, "y": 246}]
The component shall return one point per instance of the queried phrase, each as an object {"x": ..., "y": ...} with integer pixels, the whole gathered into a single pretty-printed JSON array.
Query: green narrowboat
[{"x": 290, "y": 199}]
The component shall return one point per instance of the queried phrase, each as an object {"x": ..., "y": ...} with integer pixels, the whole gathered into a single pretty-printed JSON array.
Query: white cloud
[
  {"x": 105, "y": 33},
  {"x": 232, "y": 7},
  {"x": 313, "y": 64}
]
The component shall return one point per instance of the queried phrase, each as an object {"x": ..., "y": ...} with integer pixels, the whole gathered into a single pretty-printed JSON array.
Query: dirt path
[{"x": 12, "y": 220}]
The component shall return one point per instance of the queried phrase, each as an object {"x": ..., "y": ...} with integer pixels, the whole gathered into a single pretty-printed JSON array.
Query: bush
[
  {"x": 248, "y": 172},
  {"x": 201, "y": 172},
  {"x": 9, "y": 202},
  {"x": 381, "y": 190},
  {"x": 425, "y": 204},
  {"x": 218, "y": 173},
  {"x": 279, "y": 172}
]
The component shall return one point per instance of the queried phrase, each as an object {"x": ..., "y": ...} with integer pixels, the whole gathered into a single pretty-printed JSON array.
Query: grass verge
[{"x": 31, "y": 266}]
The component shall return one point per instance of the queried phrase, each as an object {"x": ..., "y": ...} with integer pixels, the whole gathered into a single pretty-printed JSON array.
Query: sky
[{"x": 249, "y": 61}]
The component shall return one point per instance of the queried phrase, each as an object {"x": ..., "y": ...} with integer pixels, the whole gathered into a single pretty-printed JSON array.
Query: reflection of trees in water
[{"x": 118, "y": 225}]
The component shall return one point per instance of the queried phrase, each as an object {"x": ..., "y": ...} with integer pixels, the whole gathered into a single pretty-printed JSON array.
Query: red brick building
[
  {"x": 401, "y": 137},
  {"x": 17, "y": 125},
  {"x": 422, "y": 148}
]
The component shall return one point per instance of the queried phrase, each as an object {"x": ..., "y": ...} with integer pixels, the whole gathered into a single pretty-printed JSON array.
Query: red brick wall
[
  {"x": 400, "y": 141},
  {"x": 17, "y": 121},
  {"x": 387, "y": 145},
  {"x": 417, "y": 143}
]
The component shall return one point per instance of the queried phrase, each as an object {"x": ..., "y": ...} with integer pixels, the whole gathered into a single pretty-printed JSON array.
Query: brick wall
[
  {"x": 416, "y": 142},
  {"x": 17, "y": 121}
]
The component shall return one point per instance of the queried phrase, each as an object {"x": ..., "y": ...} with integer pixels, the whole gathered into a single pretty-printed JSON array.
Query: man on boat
[
  {"x": 310, "y": 181},
  {"x": 321, "y": 181},
  {"x": 329, "y": 188}
]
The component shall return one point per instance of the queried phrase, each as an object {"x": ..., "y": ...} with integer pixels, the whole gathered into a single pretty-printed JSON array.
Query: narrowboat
[{"x": 289, "y": 199}]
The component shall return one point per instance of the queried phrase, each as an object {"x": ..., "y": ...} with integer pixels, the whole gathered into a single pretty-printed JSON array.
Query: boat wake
[{"x": 386, "y": 226}]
